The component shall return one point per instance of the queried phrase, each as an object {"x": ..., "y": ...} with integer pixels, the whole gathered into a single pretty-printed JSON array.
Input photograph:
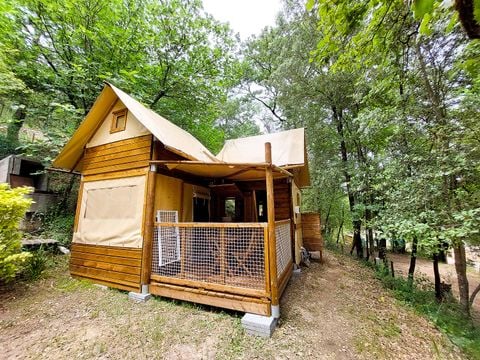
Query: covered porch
[{"x": 239, "y": 258}]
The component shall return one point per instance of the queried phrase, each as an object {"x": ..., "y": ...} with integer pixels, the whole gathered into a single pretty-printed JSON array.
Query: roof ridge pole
[{"x": 272, "y": 242}]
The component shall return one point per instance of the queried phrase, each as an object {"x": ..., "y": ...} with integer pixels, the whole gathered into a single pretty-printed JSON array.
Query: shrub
[
  {"x": 13, "y": 204},
  {"x": 37, "y": 264}
]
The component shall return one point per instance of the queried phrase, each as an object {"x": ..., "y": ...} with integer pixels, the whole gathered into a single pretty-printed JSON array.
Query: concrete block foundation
[
  {"x": 259, "y": 325},
  {"x": 138, "y": 297}
]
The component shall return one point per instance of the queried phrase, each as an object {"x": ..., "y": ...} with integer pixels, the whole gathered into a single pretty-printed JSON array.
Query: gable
[{"x": 103, "y": 135}]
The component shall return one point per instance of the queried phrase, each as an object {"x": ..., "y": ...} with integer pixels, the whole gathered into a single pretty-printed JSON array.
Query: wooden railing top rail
[
  {"x": 211, "y": 224},
  {"x": 281, "y": 222}
]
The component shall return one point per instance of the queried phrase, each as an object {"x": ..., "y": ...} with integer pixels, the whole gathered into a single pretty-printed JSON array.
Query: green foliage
[
  {"x": 39, "y": 261},
  {"x": 7, "y": 146},
  {"x": 59, "y": 226},
  {"x": 422, "y": 7},
  {"x": 170, "y": 55},
  {"x": 13, "y": 204},
  {"x": 447, "y": 315}
]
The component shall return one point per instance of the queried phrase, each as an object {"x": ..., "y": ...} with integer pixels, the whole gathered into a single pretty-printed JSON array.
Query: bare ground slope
[{"x": 335, "y": 310}]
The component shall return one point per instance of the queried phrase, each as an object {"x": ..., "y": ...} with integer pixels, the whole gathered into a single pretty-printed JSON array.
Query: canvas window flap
[{"x": 111, "y": 213}]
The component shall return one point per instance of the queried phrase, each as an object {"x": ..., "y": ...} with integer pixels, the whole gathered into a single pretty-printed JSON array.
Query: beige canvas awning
[{"x": 230, "y": 171}]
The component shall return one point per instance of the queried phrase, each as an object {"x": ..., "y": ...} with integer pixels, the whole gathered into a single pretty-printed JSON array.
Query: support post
[
  {"x": 271, "y": 231},
  {"x": 148, "y": 230}
]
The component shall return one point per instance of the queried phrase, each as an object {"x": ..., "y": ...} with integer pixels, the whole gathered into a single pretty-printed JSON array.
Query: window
[
  {"x": 111, "y": 203},
  {"x": 230, "y": 208},
  {"x": 119, "y": 121}
]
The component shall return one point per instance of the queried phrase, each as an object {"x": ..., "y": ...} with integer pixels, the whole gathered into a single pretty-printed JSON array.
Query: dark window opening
[{"x": 201, "y": 210}]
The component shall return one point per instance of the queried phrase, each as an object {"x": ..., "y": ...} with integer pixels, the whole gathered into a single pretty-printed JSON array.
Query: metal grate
[
  {"x": 225, "y": 254},
  {"x": 167, "y": 238},
  {"x": 284, "y": 249}
]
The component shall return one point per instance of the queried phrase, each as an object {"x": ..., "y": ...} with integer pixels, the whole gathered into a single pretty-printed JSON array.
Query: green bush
[{"x": 13, "y": 204}]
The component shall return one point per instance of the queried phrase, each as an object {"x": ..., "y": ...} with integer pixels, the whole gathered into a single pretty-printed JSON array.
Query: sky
[{"x": 247, "y": 17}]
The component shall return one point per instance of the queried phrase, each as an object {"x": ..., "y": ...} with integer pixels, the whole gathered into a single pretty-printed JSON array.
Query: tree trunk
[
  {"x": 367, "y": 246},
  {"x": 14, "y": 127},
  {"x": 382, "y": 248},
  {"x": 357, "y": 224},
  {"x": 461, "y": 269},
  {"x": 436, "y": 273},
  {"x": 413, "y": 259},
  {"x": 474, "y": 294},
  {"x": 369, "y": 232}
]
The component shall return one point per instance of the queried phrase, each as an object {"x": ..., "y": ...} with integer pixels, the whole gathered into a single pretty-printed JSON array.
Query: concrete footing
[
  {"x": 138, "y": 297},
  {"x": 259, "y": 325}
]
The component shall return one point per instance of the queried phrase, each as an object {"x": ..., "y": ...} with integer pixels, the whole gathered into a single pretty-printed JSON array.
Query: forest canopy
[{"x": 387, "y": 90}]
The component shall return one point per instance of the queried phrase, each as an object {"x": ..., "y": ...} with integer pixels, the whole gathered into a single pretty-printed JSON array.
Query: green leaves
[
  {"x": 309, "y": 5},
  {"x": 169, "y": 54},
  {"x": 421, "y": 8}
]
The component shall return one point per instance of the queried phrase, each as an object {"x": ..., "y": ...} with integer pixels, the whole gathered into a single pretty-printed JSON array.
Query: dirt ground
[
  {"x": 447, "y": 273},
  {"x": 335, "y": 310}
]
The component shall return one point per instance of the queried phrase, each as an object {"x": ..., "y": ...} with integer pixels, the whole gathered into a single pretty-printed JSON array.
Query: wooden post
[
  {"x": 222, "y": 254},
  {"x": 271, "y": 231},
  {"x": 148, "y": 230}
]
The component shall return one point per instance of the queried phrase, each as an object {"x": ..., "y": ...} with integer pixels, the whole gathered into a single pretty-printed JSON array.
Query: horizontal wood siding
[
  {"x": 281, "y": 194},
  {"x": 312, "y": 236},
  {"x": 118, "y": 156},
  {"x": 112, "y": 266}
]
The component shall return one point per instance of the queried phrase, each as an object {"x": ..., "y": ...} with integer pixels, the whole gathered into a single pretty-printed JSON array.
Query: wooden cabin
[{"x": 159, "y": 213}]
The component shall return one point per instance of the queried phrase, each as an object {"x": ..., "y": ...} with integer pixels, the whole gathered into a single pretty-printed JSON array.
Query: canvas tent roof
[
  {"x": 173, "y": 137},
  {"x": 288, "y": 148}
]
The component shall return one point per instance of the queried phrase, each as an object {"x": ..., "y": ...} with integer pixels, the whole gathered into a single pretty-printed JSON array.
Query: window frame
[{"x": 115, "y": 115}]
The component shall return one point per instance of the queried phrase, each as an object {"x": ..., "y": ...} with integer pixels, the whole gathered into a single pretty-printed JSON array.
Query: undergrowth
[
  {"x": 59, "y": 226},
  {"x": 446, "y": 315}
]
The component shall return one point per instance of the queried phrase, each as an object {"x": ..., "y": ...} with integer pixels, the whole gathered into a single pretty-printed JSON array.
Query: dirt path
[
  {"x": 447, "y": 273},
  {"x": 335, "y": 310}
]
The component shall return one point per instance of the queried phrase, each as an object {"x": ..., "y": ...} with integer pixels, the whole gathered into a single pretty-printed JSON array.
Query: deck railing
[
  {"x": 284, "y": 247},
  {"x": 227, "y": 257}
]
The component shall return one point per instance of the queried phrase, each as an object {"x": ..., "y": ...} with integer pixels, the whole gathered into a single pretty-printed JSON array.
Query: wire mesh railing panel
[
  {"x": 284, "y": 247},
  {"x": 223, "y": 255}
]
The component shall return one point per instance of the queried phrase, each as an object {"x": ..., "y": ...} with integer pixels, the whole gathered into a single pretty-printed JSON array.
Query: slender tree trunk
[
  {"x": 367, "y": 246},
  {"x": 14, "y": 127},
  {"x": 413, "y": 259},
  {"x": 461, "y": 269},
  {"x": 474, "y": 294},
  {"x": 436, "y": 273},
  {"x": 369, "y": 232},
  {"x": 340, "y": 229},
  {"x": 327, "y": 218},
  {"x": 382, "y": 248},
  {"x": 357, "y": 224}
]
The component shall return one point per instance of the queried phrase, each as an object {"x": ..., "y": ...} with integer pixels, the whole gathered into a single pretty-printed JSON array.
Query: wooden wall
[
  {"x": 112, "y": 266},
  {"x": 312, "y": 236},
  {"x": 118, "y": 156},
  {"x": 281, "y": 191}
]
